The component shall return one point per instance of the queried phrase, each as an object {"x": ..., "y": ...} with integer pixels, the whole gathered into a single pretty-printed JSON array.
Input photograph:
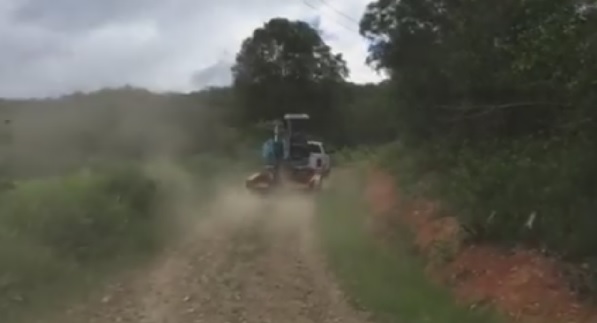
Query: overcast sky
[{"x": 53, "y": 47}]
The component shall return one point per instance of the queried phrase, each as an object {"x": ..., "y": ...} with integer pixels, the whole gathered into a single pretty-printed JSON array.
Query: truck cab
[{"x": 318, "y": 157}]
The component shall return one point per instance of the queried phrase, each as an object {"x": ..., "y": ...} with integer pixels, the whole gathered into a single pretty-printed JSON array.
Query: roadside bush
[
  {"x": 536, "y": 192},
  {"x": 347, "y": 156},
  {"x": 53, "y": 228}
]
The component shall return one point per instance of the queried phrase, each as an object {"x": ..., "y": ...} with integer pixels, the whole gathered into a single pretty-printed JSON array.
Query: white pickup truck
[{"x": 318, "y": 158}]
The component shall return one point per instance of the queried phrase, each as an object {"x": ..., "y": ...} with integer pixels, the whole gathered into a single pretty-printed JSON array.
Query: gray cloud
[
  {"x": 50, "y": 48},
  {"x": 217, "y": 74},
  {"x": 76, "y": 15}
]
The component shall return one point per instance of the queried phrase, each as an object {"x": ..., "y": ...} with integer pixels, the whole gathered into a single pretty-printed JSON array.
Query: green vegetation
[
  {"x": 72, "y": 232},
  {"x": 389, "y": 282},
  {"x": 492, "y": 105},
  {"x": 56, "y": 231},
  {"x": 302, "y": 77},
  {"x": 495, "y": 112},
  {"x": 77, "y": 202}
]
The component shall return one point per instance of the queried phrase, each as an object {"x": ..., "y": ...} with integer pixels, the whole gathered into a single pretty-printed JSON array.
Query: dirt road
[{"x": 246, "y": 260}]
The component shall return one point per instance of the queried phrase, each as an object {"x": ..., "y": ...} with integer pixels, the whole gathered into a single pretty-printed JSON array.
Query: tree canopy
[
  {"x": 286, "y": 67},
  {"x": 485, "y": 68}
]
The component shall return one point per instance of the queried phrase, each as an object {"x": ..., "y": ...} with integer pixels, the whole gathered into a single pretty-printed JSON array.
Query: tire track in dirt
[{"x": 250, "y": 260}]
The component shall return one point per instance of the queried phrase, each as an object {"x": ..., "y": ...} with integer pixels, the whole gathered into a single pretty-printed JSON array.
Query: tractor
[{"x": 294, "y": 166}]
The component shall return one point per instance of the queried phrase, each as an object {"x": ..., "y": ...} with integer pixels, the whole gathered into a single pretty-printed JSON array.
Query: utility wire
[
  {"x": 326, "y": 3},
  {"x": 310, "y": 5}
]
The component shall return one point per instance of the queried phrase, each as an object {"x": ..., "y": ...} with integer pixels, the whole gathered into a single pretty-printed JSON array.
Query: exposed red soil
[{"x": 524, "y": 284}]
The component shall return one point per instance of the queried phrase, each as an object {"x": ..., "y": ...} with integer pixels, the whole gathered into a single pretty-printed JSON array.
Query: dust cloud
[
  {"x": 48, "y": 137},
  {"x": 240, "y": 258},
  {"x": 237, "y": 257}
]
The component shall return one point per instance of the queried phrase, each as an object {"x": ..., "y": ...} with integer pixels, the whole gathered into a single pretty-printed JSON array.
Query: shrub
[
  {"x": 536, "y": 191},
  {"x": 53, "y": 228}
]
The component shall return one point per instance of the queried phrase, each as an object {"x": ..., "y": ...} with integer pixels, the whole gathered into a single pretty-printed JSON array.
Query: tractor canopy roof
[{"x": 295, "y": 116}]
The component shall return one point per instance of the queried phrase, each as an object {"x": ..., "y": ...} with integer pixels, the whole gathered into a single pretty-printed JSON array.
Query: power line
[
  {"x": 338, "y": 23},
  {"x": 340, "y": 12}
]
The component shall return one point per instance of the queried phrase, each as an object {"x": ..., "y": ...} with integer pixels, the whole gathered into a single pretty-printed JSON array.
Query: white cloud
[{"x": 56, "y": 47}]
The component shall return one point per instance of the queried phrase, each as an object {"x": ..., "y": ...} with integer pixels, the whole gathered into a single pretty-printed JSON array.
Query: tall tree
[
  {"x": 484, "y": 68},
  {"x": 286, "y": 67}
]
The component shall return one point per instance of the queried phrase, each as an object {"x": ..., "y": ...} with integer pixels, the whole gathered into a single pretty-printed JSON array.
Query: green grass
[
  {"x": 388, "y": 282},
  {"x": 64, "y": 233}
]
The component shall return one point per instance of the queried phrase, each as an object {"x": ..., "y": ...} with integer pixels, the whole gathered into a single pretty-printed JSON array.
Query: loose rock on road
[{"x": 248, "y": 260}]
